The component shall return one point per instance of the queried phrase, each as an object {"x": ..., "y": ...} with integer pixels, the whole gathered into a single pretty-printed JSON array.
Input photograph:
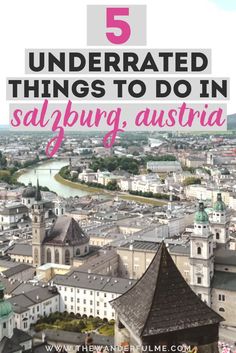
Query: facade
[
  {"x": 28, "y": 308},
  {"x": 205, "y": 260},
  {"x": 61, "y": 243},
  {"x": 11, "y": 215},
  {"x": 90, "y": 294},
  {"x": 201, "y": 256},
  {"x": 164, "y": 166}
]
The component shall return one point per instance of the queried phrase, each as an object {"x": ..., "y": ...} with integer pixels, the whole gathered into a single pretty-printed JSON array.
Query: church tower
[
  {"x": 201, "y": 256},
  {"x": 220, "y": 222},
  {"x": 38, "y": 228}
]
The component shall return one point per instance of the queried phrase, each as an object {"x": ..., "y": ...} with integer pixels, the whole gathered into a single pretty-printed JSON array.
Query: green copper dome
[
  {"x": 5, "y": 306},
  {"x": 219, "y": 205},
  {"x": 201, "y": 216}
]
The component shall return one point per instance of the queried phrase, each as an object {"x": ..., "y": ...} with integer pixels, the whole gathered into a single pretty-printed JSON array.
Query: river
[{"x": 42, "y": 172}]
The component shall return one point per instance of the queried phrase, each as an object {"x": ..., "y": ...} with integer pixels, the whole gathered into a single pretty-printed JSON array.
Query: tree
[
  {"x": 112, "y": 185},
  {"x": 191, "y": 181}
]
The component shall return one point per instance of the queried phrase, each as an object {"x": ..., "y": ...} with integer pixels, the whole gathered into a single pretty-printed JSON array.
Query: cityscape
[{"x": 126, "y": 249}]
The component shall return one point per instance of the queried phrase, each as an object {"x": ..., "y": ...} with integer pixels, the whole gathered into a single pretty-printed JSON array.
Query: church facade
[{"x": 60, "y": 244}]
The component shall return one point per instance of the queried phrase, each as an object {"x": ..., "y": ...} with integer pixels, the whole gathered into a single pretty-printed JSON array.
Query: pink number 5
[{"x": 122, "y": 25}]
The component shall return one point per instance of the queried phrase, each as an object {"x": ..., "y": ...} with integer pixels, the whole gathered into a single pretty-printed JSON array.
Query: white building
[
  {"x": 89, "y": 294},
  {"x": 88, "y": 175},
  {"x": 11, "y": 215},
  {"x": 28, "y": 308},
  {"x": 164, "y": 166},
  {"x": 143, "y": 183}
]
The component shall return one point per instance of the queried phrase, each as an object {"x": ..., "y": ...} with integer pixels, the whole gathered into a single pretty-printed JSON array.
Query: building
[
  {"x": 28, "y": 307},
  {"x": 73, "y": 341},
  {"x": 204, "y": 259},
  {"x": 12, "y": 340},
  {"x": 164, "y": 166},
  {"x": 89, "y": 294},
  {"x": 11, "y": 215},
  {"x": 160, "y": 317},
  {"x": 201, "y": 256}
]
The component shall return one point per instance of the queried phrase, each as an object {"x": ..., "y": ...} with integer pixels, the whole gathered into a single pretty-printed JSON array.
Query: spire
[
  {"x": 1, "y": 291},
  {"x": 219, "y": 206},
  {"x": 38, "y": 196},
  {"x": 201, "y": 216},
  {"x": 162, "y": 301},
  {"x": 219, "y": 197}
]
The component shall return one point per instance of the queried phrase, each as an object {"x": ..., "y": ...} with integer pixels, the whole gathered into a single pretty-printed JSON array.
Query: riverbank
[
  {"x": 121, "y": 195},
  {"x": 77, "y": 186}
]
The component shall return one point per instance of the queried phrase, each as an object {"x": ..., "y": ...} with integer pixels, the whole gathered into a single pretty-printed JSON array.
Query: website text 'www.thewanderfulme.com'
[{"x": 97, "y": 348}]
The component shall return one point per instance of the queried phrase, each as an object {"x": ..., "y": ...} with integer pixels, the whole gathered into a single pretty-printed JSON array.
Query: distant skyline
[{"x": 171, "y": 24}]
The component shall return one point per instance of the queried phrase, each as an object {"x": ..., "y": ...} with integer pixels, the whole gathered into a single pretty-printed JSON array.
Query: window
[
  {"x": 77, "y": 300},
  {"x": 84, "y": 301},
  {"x": 36, "y": 256},
  {"x": 97, "y": 303},
  {"x": 65, "y": 298},
  {"x": 56, "y": 256},
  {"x": 65, "y": 307},
  {"x": 84, "y": 291},
  {"x": 199, "y": 280},
  {"x": 222, "y": 309},
  {"x": 221, "y": 297},
  {"x": 77, "y": 290},
  {"x": 4, "y": 325},
  {"x": 105, "y": 305},
  {"x": 71, "y": 290},
  {"x": 38, "y": 308},
  {"x": 72, "y": 308},
  {"x": 71, "y": 299},
  {"x": 105, "y": 295},
  {"x": 67, "y": 257},
  {"x": 199, "y": 250},
  {"x": 98, "y": 294},
  {"x": 49, "y": 256},
  {"x": 105, "y": 313},
  {"x": 217, "y": 236},
  {"x": 77, "y": 252},
  {"x": 91, "y": 292},
  {"x": 91, "y": 302},
  {"x": 97, "y": 312}
]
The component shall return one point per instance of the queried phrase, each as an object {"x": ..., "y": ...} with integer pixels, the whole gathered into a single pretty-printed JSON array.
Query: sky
[{"x": 171, "y": 24}]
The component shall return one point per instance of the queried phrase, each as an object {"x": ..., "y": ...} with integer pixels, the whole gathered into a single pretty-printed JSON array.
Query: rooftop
[
  {"x": 61, "y": 336},
  {"x": 94, "y": 282},
  {"x": 15, "y": 270},
  {"x": 224, "y": 280},
  {"x": 22, "y": 302},
  {"x": 21, "y": 249},
  {"x": 159, "y": 308}
]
